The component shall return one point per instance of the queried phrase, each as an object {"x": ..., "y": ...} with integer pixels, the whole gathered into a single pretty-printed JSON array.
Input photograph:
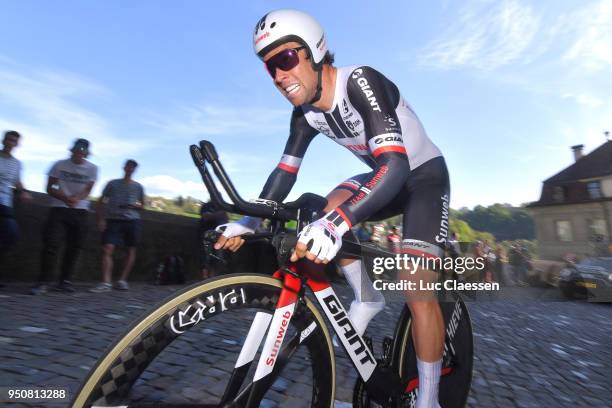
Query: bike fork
[
  {"x": 256, "y": 333},
  {"x": 278, "y": 326}
]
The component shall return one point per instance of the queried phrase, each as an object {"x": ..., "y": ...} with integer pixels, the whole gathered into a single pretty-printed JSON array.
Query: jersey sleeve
[
  {"x": 376, "y": 99},
  {"x": 283, "y": 177}
]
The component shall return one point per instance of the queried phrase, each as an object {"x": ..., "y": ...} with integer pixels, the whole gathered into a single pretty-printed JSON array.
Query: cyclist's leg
[
  {"x": 368, "y": 301},
  {"x": 425, "y": 231}
]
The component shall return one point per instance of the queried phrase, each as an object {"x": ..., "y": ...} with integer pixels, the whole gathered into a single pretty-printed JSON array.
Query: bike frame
[
  {"x": 295, "y": 279},
  {"x": 273, "y": 356}
]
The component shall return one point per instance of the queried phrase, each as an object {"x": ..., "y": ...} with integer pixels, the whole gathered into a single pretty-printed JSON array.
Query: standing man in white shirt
[{"x": 69, "y": 184}]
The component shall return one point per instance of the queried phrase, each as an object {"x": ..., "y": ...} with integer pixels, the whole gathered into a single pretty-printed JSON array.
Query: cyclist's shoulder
[
  {"x": 364, "y": 85},
  {"x": 359, "y": 74}
]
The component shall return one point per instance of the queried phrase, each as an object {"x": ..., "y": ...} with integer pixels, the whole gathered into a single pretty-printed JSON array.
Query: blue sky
[{"x": 503, "y": 87}]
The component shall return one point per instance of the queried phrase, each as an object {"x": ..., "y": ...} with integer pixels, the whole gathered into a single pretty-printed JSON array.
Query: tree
[{"x": 502, "y": 220}]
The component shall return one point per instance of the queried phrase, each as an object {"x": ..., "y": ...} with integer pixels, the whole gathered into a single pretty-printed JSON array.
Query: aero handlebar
[
  {"x": 207, "y": 154},
  {"x": 307, "y": 206}
]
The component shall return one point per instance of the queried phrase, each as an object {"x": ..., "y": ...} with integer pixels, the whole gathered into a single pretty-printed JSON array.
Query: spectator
[
  {"x": 478, "y": 252},
  {"x": 69, "y": 184},
  {"x": 498, "y": 267},
  {"x": 453, "y": 251},
  {"x": 490, "y": 257},
  {"x": 10, "y": 177},
  {"x": 211, "y": 260},
  {"x": 394, "y": 239},
  {"x": 362, "y": 233},
  {"x": 118, "y": 218},
  {"x": 518, "y": 264},
  {"x": 377, "y": 235},
  {"x": 453, "y": 246}
]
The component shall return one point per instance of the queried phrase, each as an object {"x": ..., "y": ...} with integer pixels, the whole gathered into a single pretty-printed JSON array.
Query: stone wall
[{"x": 162, "y": 235}]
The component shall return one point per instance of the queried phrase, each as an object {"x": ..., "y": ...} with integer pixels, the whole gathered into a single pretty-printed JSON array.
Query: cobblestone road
[{"x": 528, "y": 354}]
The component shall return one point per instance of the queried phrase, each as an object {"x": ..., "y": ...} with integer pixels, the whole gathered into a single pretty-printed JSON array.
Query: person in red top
[{"x": 394, "y": 240}]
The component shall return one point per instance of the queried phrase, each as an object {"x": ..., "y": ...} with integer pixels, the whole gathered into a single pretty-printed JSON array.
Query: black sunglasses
[{"x": 284, "y": 60}]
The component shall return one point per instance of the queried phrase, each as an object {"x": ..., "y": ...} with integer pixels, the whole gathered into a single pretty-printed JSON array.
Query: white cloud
[
  {"x": 592, "y": 29},
  {"x": 48, "y": 108},
  {"x": 485, "y": 35},
  {"x": 170, "y": 187},
  {"x": 214, "y": 119},
  {"x": 587, "y": 100}
]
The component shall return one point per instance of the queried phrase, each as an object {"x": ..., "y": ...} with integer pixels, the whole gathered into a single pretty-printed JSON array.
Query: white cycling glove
[
  {"x": 245, "y": 225},
  {"x": 324, "y": 236}
]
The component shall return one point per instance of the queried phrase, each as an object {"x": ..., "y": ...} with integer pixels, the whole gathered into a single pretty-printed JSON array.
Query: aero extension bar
[{"x": 206, "y": 153}]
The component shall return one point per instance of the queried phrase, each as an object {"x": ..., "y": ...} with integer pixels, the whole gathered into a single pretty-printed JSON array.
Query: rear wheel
[
  {"x": 457, "y": 361},
  {"x": 190, "y": 343}
]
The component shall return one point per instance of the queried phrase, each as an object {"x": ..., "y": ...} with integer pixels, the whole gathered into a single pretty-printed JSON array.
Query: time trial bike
[{"x": 284, "y": 325}]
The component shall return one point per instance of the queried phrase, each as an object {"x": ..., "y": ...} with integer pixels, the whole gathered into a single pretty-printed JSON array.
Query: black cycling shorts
[{"x": 425, "y": 203}]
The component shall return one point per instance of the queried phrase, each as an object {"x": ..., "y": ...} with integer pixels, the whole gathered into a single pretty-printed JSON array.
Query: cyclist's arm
[
  {"x": 375, "y": 97},
  {"x": 283, "y": 177},
  {"x": 280, "y": 181}
]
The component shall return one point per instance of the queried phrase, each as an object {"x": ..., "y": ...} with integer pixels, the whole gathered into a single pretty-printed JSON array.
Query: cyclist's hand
[
  {"x": 319, "y": 241},
  {"x": 231, "y": 238},
  {"x": 233, "y": 244}
]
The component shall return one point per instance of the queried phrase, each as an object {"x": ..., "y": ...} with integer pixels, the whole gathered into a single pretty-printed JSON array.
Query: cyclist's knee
[{"x": 420, "y": 307}]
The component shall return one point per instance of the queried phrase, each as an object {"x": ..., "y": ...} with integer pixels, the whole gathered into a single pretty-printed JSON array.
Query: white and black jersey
[{"x": 371, "y": 119}]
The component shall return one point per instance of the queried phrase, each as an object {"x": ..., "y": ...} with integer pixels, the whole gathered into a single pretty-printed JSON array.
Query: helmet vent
[{"x": 273, "y": 24}]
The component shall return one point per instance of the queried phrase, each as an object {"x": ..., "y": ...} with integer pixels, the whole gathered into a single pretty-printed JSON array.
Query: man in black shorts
[
  {"x": 362, "y": 110},
  {"x": 118, "y": 215}
]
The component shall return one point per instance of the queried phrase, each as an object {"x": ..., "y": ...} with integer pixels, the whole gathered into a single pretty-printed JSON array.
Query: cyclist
[{"x": 362, "y": 110}]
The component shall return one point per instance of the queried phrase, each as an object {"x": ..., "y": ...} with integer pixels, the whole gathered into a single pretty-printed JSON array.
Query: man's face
[
  {"x": 79, "y": 155},
  {"x": 129, "y": 169},
  {"x": 299, "y": 84},
  {"x": 10, "y": 142}
]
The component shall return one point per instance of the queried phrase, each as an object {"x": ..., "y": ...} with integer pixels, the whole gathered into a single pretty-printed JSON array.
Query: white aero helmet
[{"x": 286, "y": 25}]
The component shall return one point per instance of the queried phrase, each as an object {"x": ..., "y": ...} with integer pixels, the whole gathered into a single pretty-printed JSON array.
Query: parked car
[{"x": 590, "y": 278}]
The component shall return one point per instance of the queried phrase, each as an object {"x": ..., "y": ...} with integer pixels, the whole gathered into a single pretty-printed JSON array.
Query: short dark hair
[
  {"x": 131, "y": 162},
  {"x": 13, "y": 133},
  {"x": 328, "y": 58}
]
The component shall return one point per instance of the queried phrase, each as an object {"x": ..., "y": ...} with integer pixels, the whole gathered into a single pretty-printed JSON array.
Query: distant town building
[{"x": 574, "y": 212}]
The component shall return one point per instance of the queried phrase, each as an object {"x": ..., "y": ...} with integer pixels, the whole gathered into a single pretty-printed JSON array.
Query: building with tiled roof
[{"x": 574, "y": 212}]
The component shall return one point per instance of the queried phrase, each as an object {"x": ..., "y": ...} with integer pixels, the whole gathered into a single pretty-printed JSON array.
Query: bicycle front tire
[{"x": 109, "y": 382}]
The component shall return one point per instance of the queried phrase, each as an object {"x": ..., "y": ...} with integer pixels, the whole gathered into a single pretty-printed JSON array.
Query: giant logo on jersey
[
  {"x": 365, "y": 88},
  {"x": 390, "y": 140}
]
